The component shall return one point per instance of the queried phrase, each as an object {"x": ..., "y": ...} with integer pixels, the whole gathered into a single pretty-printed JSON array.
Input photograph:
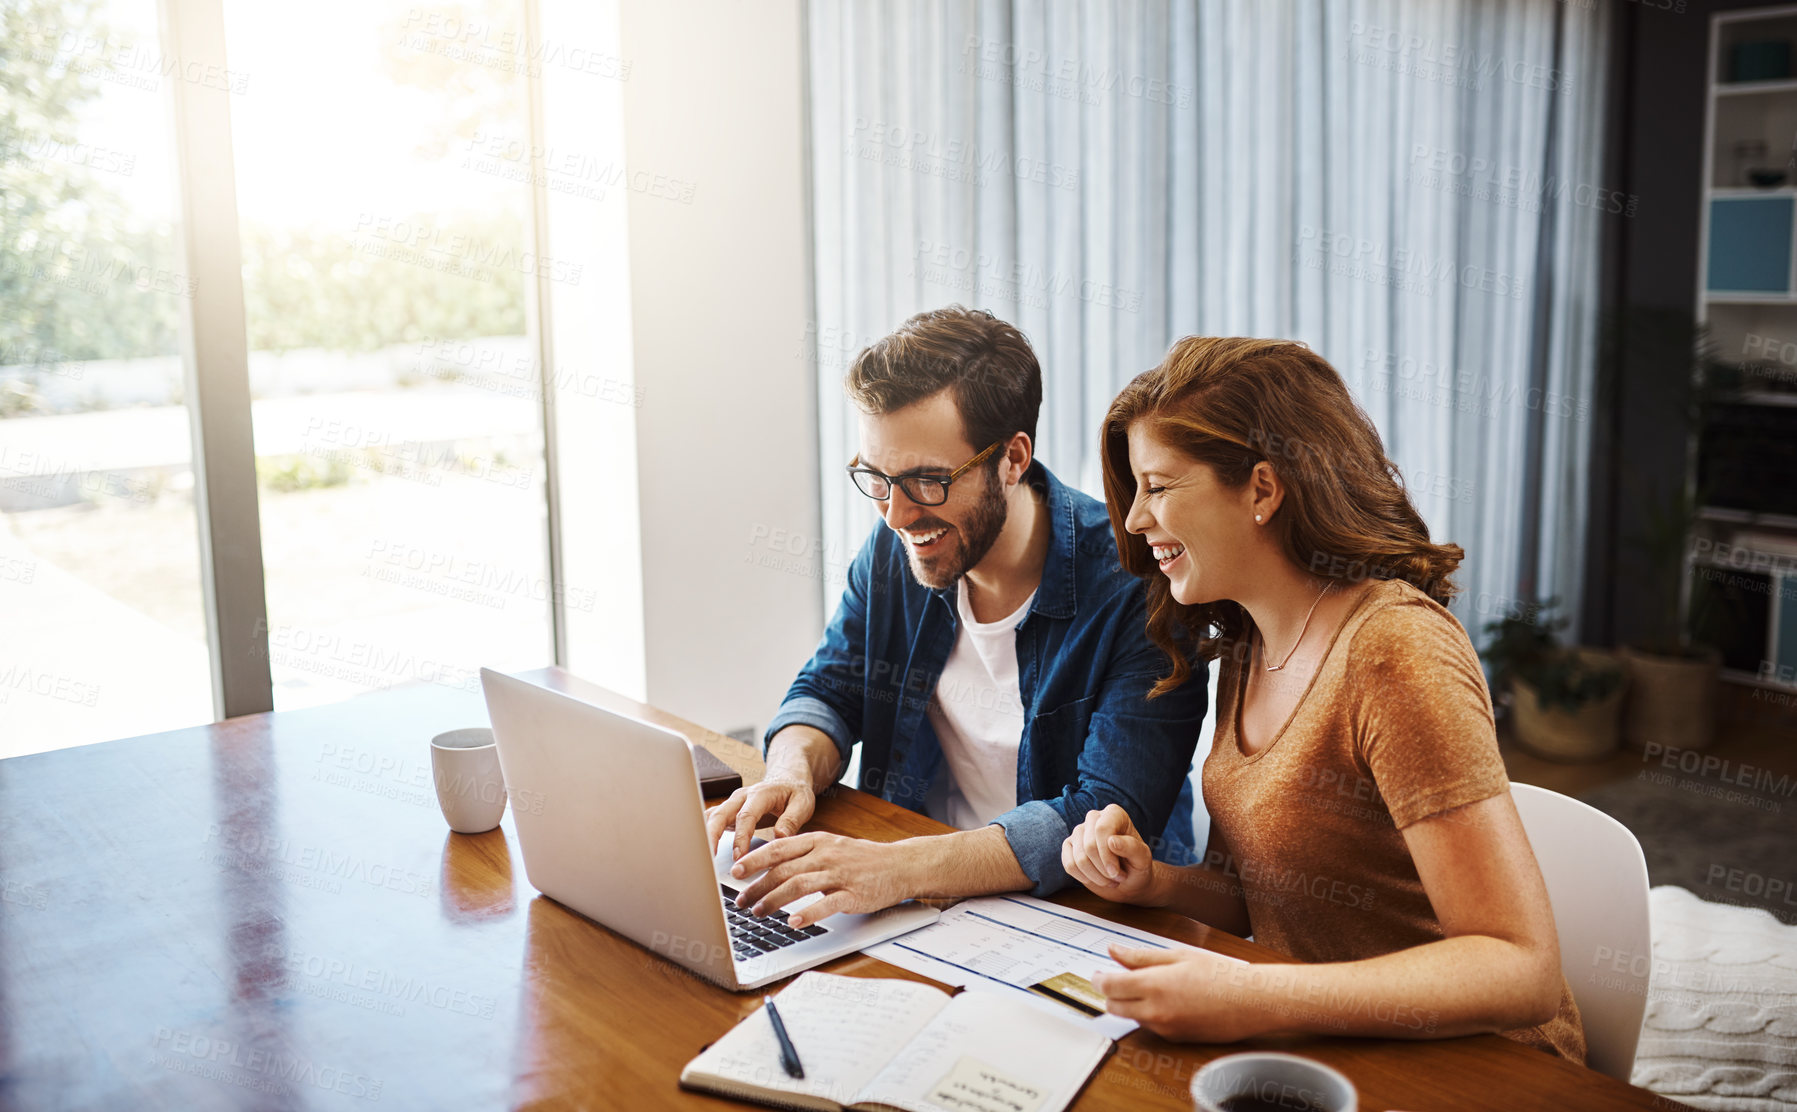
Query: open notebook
[{"x": 869, "y": 1043}]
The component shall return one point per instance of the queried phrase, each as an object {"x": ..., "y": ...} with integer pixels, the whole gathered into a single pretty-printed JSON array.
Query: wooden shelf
[
  {"x": 1759, "y": 397},
  {"x": 1736, "y": 675},
  {"x": 1747, "y": 517},
  {"x": 1755, "y": 88}
]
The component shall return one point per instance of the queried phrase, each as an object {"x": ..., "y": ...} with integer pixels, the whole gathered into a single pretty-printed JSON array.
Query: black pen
[{"x": 789, "y": 1056}]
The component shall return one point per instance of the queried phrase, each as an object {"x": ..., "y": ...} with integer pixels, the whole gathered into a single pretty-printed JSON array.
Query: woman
[{"x": 1361, "y": 820}]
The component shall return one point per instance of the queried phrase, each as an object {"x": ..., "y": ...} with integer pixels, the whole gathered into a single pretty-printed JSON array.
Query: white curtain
[{"x": 1411, "y": 188}]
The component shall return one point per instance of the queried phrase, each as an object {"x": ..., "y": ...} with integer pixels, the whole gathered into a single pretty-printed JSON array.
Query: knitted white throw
[{"x": 1721, "y": 1024}]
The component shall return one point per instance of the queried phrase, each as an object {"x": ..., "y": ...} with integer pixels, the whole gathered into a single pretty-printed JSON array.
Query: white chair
[{"x": 1597, "y": 881}]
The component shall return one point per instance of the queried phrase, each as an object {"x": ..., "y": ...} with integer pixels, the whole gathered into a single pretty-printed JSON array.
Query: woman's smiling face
[{"x": 1200, "y": 531}]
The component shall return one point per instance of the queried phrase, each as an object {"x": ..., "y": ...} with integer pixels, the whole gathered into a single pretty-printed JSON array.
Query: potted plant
[
  {"x": 1673, "y": 677},
  {"x": 1565, "y": 703}
]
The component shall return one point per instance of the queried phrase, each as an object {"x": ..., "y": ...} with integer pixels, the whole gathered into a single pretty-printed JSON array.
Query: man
[{"x": 989, "y": 653}]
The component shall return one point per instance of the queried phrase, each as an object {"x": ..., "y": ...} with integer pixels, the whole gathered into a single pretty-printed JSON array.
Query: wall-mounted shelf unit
[{"x": 1740, "y": 584}]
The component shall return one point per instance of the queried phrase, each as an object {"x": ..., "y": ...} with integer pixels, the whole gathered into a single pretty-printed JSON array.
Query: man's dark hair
[{"x": 996, "y": 380}]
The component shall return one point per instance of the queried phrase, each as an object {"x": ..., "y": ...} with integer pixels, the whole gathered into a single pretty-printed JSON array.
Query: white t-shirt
[{"x": 977, "y": 711}]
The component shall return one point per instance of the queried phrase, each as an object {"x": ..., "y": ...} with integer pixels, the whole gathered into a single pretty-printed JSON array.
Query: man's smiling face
[{"x": 927, "y": 438}]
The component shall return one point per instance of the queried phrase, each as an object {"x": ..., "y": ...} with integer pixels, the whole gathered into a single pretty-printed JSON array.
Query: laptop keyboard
[{"x": 751, "y": 936}]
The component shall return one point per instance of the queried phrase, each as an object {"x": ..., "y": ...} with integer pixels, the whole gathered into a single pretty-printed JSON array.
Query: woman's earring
[{"x": 1257, "y": 519}]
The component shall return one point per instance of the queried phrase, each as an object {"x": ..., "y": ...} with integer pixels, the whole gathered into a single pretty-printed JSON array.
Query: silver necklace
[{"x": 1301, "y": 630}]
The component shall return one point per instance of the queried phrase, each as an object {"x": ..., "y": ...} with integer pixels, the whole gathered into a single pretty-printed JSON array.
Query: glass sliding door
[
  {"x": 384, "y": 212},
  {"x": 102, "y": 627}
]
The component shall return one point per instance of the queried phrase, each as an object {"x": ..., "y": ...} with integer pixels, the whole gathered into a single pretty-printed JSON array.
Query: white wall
[
  {"x": 727, "y": 433},
  {"x": 723, "y": 446},
  {"x": 590, "y": 339}
]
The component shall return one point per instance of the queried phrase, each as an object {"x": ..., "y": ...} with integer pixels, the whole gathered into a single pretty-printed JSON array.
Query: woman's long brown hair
[{"x": 1231, "y": 402}]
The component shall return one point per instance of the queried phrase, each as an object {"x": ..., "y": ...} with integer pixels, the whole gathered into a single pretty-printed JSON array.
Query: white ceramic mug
[
  {"x": 1283, "y": 1081},
  {"x": 470, "y": 787}
]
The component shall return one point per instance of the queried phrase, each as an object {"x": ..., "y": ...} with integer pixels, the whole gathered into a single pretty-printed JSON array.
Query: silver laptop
[{"x": 612, "y": 825}]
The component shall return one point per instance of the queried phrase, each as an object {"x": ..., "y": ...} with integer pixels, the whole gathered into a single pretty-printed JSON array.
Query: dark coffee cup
[{"x": 1267, "y": 1082}]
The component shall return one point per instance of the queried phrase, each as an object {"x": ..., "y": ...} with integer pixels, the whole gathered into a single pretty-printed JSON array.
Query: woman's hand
[
  {"x": 1181, "y": 995},
  {"x": 1105, "y": 854}
]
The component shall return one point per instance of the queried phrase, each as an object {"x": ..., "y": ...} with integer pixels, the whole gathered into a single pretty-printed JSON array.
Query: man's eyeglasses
[{"x": 925, "y": 490}]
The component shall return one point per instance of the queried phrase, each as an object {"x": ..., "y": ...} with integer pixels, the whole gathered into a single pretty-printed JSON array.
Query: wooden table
[{"x": 271, "y": 913}]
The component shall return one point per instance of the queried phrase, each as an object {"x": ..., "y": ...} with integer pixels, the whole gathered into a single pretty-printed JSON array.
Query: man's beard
[{"x": 985, "y": 521}]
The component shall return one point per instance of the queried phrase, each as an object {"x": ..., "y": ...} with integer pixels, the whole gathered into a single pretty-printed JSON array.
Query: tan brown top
[{"x": 1396, "y": 726}]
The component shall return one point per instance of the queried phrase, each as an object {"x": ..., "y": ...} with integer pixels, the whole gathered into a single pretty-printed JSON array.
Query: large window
[
  {"x": 382, "y": 167},
  {"x": 398, "y": 425},
  {"x": 100, "y": 603}
]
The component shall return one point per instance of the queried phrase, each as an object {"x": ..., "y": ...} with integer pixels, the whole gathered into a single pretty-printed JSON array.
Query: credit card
[{"x": 1072, "y": 990}]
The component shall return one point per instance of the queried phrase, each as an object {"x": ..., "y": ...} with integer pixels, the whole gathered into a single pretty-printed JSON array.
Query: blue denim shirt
[{"x": 1084, "y": 666}]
